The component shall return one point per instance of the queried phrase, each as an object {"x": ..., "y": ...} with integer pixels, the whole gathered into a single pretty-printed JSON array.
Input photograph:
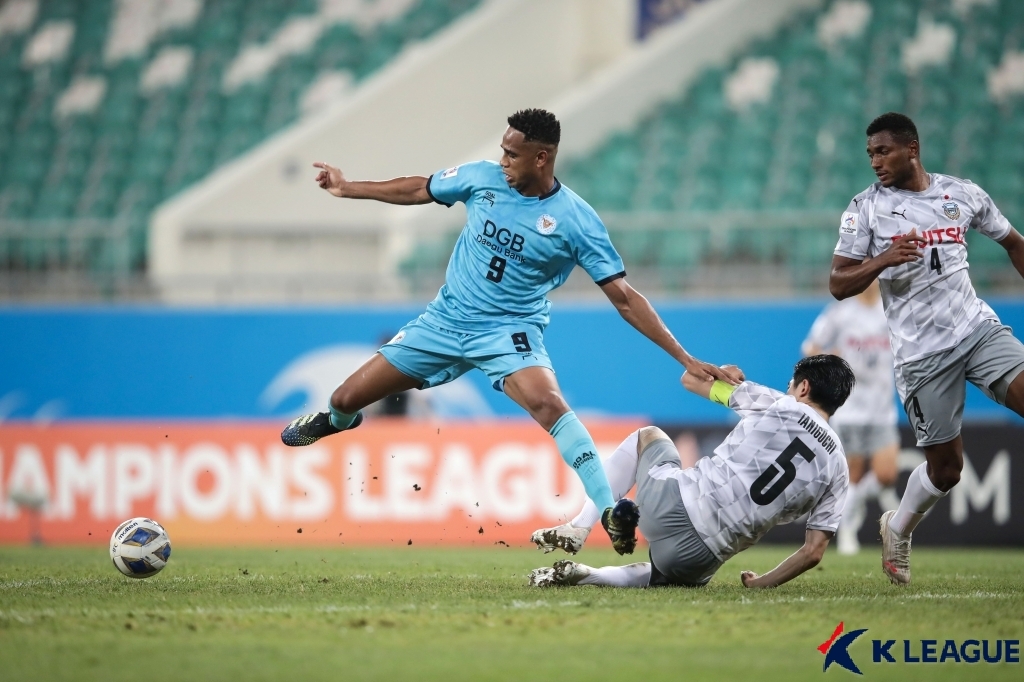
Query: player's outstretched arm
[
  {"x": 1014, "y": 245},
  {"x": 639, "y": 312},
  {"x": 804, "y": 559},
  {"x": 704, "y": 386},
  {"x": 405, "y": 191},
  {"x": 850, "y": 277}
]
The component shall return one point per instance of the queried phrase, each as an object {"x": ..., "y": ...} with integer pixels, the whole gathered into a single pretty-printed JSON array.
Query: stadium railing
[{"x": 69, "y": 259}]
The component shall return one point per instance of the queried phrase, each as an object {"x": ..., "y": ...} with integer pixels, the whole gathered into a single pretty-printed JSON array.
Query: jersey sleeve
[
  {"x": 749, "y": 398},
  {"x": 854, "y": 231},
  {"x": 988, "y": 219},
  {"x": 456, "y": 183},
  {"x": 828, "y": 510},
  {"x": 593, "y": 249},
  {"x": 824, "y": 333}
]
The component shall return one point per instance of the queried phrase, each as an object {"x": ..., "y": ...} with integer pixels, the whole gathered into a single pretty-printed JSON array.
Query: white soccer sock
[
  {"x": 853, "y": 511},
  {"x": 632, "y": 575},
  {"x": 620, "y": 468},
  {"x": 920, "y": 496}
]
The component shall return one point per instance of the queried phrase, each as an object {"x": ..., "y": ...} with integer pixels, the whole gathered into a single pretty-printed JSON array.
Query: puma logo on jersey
[
  {"x": 902, "y": 214},
  {"x": 819, "y": 433}
]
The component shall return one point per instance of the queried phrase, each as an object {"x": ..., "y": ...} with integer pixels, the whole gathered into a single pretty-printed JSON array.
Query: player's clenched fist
[
  {"x": 904, "y": 249},
  {"x": 330, "y": 178}
]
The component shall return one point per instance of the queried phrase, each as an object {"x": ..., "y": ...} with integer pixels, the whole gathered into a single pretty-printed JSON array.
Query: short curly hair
[
  {"x": 537, "y": 125},
  {"x": 899, "y": 125}
]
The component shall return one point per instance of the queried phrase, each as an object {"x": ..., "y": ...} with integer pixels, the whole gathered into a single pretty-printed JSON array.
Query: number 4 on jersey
[{"x": 936, "y": 260}]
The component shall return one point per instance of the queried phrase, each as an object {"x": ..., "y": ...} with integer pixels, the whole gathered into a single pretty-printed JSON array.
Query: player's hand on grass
[
  {"x": 748, "y": 578},
  {"x": 330, "y": 178},
  {"x": 904, "y": 249}
]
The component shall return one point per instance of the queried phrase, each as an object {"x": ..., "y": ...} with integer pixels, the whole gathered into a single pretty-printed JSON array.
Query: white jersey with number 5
[
  {"x": 780, "y": 462},
  {"x": 859, "y": 334},
  {"x": 930, "y": 303}
]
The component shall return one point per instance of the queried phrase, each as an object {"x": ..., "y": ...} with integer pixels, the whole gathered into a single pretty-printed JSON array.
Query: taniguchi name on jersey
[{"x": 819, "y": 433}]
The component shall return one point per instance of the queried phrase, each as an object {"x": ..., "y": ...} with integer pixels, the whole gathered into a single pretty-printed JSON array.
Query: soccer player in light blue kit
[{"x": 524, "y": 234}]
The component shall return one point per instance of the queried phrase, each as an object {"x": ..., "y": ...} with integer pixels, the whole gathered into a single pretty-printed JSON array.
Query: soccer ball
[{"x": 140, "y": 547}]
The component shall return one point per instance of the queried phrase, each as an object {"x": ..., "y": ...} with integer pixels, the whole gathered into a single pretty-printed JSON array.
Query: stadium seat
[
  {"x": 165, "y": 140},
  {"x": 803, "y": 149}
]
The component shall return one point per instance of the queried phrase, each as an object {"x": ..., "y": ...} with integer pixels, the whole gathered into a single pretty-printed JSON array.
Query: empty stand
[{"x": 147, "y": 96}]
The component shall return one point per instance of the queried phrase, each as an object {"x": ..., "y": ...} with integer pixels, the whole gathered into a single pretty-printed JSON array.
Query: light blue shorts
[{"x": 436, "y": 356}]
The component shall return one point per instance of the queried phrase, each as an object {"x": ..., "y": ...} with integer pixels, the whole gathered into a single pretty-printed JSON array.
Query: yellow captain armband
[{"x": 721, "y": 392}]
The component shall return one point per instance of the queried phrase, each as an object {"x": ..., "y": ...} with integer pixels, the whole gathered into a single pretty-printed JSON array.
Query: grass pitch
[{"x": 426, "y": 614}]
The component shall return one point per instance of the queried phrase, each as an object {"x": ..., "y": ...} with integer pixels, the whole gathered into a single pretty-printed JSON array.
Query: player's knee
[
  {"x": 648, "y": 435},
  {"x": 343, "y": 400},
  {"x": 548, "y": 407},
  {"x": 946, "y": 478},
  {"x": 945, "y": 475}
]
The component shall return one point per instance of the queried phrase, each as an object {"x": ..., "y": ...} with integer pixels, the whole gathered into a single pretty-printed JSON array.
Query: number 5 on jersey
[{"x": 759, "y": 490}]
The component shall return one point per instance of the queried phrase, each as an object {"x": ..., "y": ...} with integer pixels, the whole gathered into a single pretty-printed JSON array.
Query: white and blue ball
[{"x": 140, "y": 547}]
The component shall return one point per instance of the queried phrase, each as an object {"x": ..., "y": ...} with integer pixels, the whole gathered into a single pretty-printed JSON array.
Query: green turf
[{"x": 425, "y": 614}]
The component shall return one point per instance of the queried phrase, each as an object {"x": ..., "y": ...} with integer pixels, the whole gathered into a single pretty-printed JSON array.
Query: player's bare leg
[
  {"x": 536, "y": 390},
  {"x": 884, "y": 464},
  {"x": 927, "y": 485},
  {"x": 375, "y": 380}
]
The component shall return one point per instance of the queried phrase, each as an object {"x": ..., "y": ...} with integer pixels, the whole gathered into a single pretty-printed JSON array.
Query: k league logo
[
  {"x": 968, "y": 651},
  {"x": 836, "y": 649}
]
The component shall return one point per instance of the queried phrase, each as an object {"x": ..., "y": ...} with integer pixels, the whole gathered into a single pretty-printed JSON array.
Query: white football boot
[
  {"x": 895, "y": 552},
  {"x": 564, "y": 572},
  {"x": 566, "y": 537}
]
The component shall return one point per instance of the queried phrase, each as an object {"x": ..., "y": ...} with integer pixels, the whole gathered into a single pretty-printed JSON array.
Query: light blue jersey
[{"x": 513, "y": 249}]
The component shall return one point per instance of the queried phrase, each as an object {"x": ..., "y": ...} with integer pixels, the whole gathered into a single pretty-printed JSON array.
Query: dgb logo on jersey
[{"x": 951, "y": 209}]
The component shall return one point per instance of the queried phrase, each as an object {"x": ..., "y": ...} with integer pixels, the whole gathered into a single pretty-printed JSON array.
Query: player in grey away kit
[
  {"x": 907, "y": 230},
  {"x": 782, "y": 461},
  {"x": 856, "y": 330}
]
